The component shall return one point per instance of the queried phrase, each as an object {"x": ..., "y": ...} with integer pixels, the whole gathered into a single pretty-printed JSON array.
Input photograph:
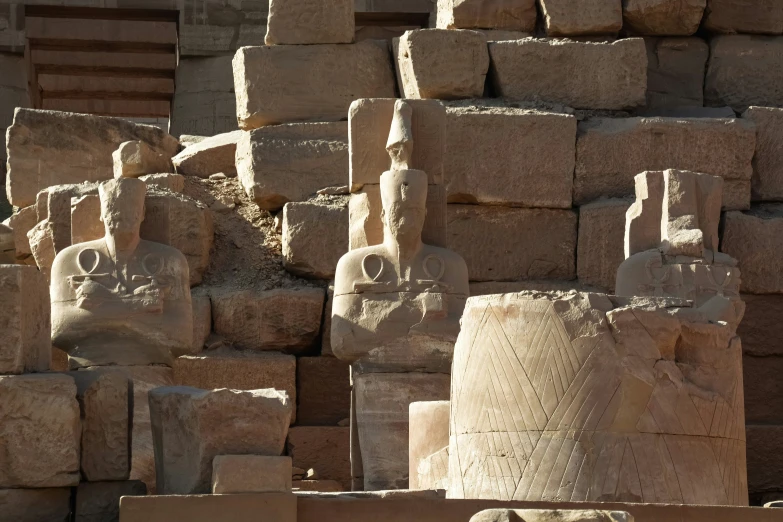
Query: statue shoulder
[
  {"x": 67, "y": 257},
  {"x": 349, "y": 268},
  {"x": 451, "y": 258},
  {"x": 169, "y": 253}
]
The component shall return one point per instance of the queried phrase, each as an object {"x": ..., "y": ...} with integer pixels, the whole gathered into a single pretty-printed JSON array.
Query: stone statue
[{"x": 120, "y": 300}]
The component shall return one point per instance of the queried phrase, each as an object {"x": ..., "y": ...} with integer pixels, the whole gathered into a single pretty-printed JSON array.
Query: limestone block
[
  {"x": 191, "y": 427},
  {"x": 734, "y": 80},
  {"x": 209, "y": 156},
  {"x": 763, "y": 389},
  {"x": 204, "y": 102},
  {"x": 486, "y": 14},
  {"x": 106, "y": 405},
  {"x": 675, "y": 72},
  {"x": 321, "y": 88},
  {"x": 325, "y": 449},
  {"x": 291, "y": 162},
  {"x": 663, "y": 17},
  {"x": 25, "y": 320},
  {"x": 239, "y": 370},
  {"x": 100, "y": 501},
  {"x": 737, "y": 16},
  {"x": 315, "y": 236},
  {"x": 547, "y": 515},
  {"x": 323, "y": 391},
  {"x": 202, "y": 321},
  {"x": 280, "y": 507},
  {"x": 508, "y": 156},
  {"x": 428, "y": 445},
  {"x": 170, "y": 182},
  {"x": 250, "y": 474},
  {"x": 610, "y": 152},
  {"x": 588, "y": 17},
  {"x": 767, "y": 181},
  {"x": 304, "y": 22},
  {"x": 601, "y": 238},
  {"x": 764, "y": 458},
  {"x": 48, "y": 148},
  {"x": 21, "y": 222},
  {"x": 590, "y": 75},
  {"x": 753, "y": 238},
  {"x": 136, "y": 158},
  {"x": 443, "y": 64},
  {"x": 39, "y": 431},
  {"x": 761, "y": 330},
  {"x": 36, "y": 505},
  {"x": 501, "y": 243}
]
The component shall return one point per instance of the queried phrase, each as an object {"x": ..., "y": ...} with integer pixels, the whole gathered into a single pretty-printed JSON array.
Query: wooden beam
[
  {"x": 100, "y": 46},
  {"x": 106, "y": 30},
  {"x": 162, "y": 88},
  {"x": 105, "y": 60},
  {"x": 98, "y": 13},
  {"x": 123, "y": 108},
  {"x": 106, "y": 72}
]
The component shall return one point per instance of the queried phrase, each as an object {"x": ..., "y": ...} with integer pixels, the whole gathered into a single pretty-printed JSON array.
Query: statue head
[
  {"x": 122, "y": 208},
  {"x": 404, "y": 200}
]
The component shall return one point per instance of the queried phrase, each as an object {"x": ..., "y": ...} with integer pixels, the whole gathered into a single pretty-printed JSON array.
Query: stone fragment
[
  {"x": 39, "y": 431},
  {"x": 315, "y": 236},
  {"x": 85, "y": 219},
  {"x": 675, "y": 72},
  {"x": 250, "y": 474},
  {"x": 737, "y": 16},
  {"x": 323, "y": 390},
  {"x": 25, "y": 320},
  {"x": 136, "y": 158},
  {"x": 291, "y": 162},
  {"x": 486, "y": 14},
  {"x": 588, "y": 17},
  {"x": 443, "y": 64},
  {"x": 767, "y": 181},
  {"x": 321, "y": 88},
  {"x": 191, "y": 427},
  {"x": 285, "y": 319},
  {"x": 202, "y": 321},
  {"x": 187, "y": 140},
  {"x": 41, "y": 238},
  {"x": 48, "y": 148},
  {"x": 511, "y": 157},
  {"x": 325, "y": 449},
  {"x": 590, "y": 75},
  {"x": 734, "y": 80},
  {"x": 753, "y": 238},
  {"x": 365, "y": 227},
  {"x": 428, "y": 445},
  {"x": 168, "y": 181},
  {"x": 106, "y": 405},
  {"x": 279, "y": 507},
  {"x": 209, "y": 156},
  {"x": 501, "y": 243},
  {"x": 100, "y": 501},
  {"x": 292, "y": 22},
  {"x": 204, "y": 101},
  {"x": 600, "y": 244},
  {"x": 36, "y": 505},
  {"x": 610, "y": 152},
  {"x": 663, "y": 17},
  {"x": 317, "y": 486},
  {"x": 547, "y": 515},
  {"x": 21, "y": 222}
]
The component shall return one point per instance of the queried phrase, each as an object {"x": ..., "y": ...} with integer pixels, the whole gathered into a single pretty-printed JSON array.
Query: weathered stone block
[
  {"x": 754, "y": 238},
  {"x": 136, "y": 158},
  {"x": 675, "y": 72},
  {"x": 589, "y": 75},
  {"x": 610, "y": 152},
  {"x": 761, "y": 329},
  {"x": 191, "y": 427},
  {"x": 486, "y": 14},
  {"x": 663, "y": 17},
  {"x": 202, "y": 320},
  {"x": 501, "y": 243},
  {"x": 100, "y": 501},
  {"x": 21, "y": 223},
  {"x": 588, "y": 17},
  {"x": 510, "y": 156},
  {"x": 291, "y": 162},
  {"x": 326, "y": 449},
  {"x": 303, "y": 22},
  {"x": 284, "y": 319},
  {"x": 25, "y": 320},
  {"x": 428, "y": 445},
  {"x": 209, "y": 156},
  {"x": 168, "y": 181},
  {"x": 315, "y": 236},
  {"x": 36, "y": 505},
  {"x": 600, "y": 245},
  {"x": 323, "y": 391},
  {"x": 280, "y": 507},
  {"x": 41, "y": 238},
  {"x": 765, "y": 458},
  {"x": 13, "y": 91},
  {"x": 767, "y": 181},
  {"x": 250, "y": 474},
  {"x": 204, "y": 101},
  {"x": 443, "y": 64},
  {"x": 322, "y": 86},
  {"x": 39, "y": 431},
  {"x": 738, "y": 16},
  {"x": 86, "y": 222}
]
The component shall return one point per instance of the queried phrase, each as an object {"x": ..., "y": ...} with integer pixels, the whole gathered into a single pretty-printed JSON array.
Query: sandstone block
[
  {"x": 326, "y": 449},
  {"x": 280, "y": 507},
  {"x": 209, "y": 156},
  {"x": 191, "y": 427},
  {"x": 41, "y": 238},
  {"x": 764, "y": 458},
  {"x": 737, "y": 16},
  {"x": 675, "y": 72},
  {"x": 202, "y": 321},
  {"x": 36, "y": 505},
  {"x": 100, "y": 501},
  {"x": 136, "y": 158},
  {"x": 734, "y": 80},
  {"x": 752, "y": 238},
  {"x": 428, "y": 445},
  {"x": 291, "y": 162},
  {"x": 284, "y": 319},
  {"x": 21, "y": 223},
  {"x": 600, "y": 245},
  {"x": 486, "y": 14},
  {"x": 315, "y": 236},
  {"x": 767, "y": 181},
  {"x": 39, "y": 431},
  {"x": 589, "y": 75},
  {"x": 86, "y": 222},
  {"x": 322, "y": 86},
  {"x": 25, "y": 320},
  {"x": 48, "y": 148},
  {"x": 761, "y": 330},
  {"x": 590, "y": 17},
  {"x": 443, "y": 64},
  {"x": 500, "y": 243},
  {"x": 250, "y": 474},
  {"x": 507, "y": 156},
  {"x": 106, "y": 405},
  {"x": 663, "y": 17},
  {"x": 610, "y": 152},
  {"x": 168, "y": 181},
  {"x": 303, "y": 22},
  {"x": 204, "y": 101},
  {"x": 323, "y": 390}
]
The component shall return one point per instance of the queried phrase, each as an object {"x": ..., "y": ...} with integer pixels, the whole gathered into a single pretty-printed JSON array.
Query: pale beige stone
[
  {"x": 753, "y": 238},
  {"x": 204, "y": 102},
  {"x": 91, "y": 307},
  {"x": 365, "y": 227},
  {"x": 600, "y": 244},
  {"x": 443, "y": 64},
  {"x": 486, "y": 14},
  {"x": 589, "y": 75},
  {"x": 675, "y": 72},
  {"x": 547, "y": 515},
  {"x": 25, "y": 320},
  {"x": 85, "y": 219},
  {"x": 291, "y": 162},
  {"x": 738, "y": 16},
  {"x": 39, "y": 431},
  {"x": 323, "y": 449},
  {"x": 250, "y": 474},
  {"x": 36, "y": 505},
  {"x": 610, "y": 152},
  {"x": 323, "y": 390},
  {"x": 202, "y": 321},
  {"x": 285, "y": 319},
  {"x": 209, "y": 156},
  {"x": 512, "y": 157},
  {"x": 306, "y": 22},
  {"x": 100, "y": 501},
  {"x": 767, "y": 181},
  {"x": 191, "y": 427},
  {"x": 167, "y": 181},
  {"x": 428, "y": 445},
  {"x": 321, "y": 87},
  {"x": 585, "y": 17},
  {"x": 136, "y": 158},
  {"x": 21, "y": 222},
  {"x": 48, "y": 148},
  {"x": 315, "y": 236},
  {"x": 41, "y": 238},
  {"x": 663, "y": 17}
]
